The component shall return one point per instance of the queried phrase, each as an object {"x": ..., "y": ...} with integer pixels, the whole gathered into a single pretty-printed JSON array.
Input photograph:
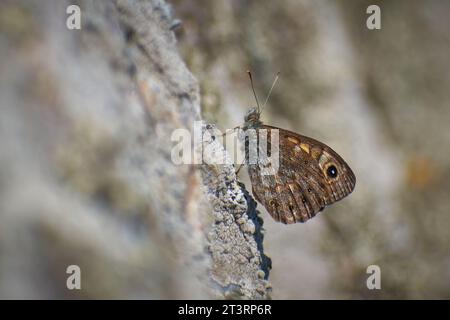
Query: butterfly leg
[{"x": 239, "y": 168}]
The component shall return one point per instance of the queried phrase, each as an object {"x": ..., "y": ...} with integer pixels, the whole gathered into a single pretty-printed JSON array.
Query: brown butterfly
[{"x": 311, "y": 175}]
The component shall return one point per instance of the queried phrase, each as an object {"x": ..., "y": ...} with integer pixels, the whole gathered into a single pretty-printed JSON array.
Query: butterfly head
[{"x": 252, "y": 119}]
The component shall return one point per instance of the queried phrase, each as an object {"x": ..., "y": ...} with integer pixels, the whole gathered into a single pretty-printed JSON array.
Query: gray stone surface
[{"x": 86, "y": 175}]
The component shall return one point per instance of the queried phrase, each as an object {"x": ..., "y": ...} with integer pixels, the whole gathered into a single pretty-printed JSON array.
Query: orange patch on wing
[
  {"x": 316, "y": 153},
  {"x": 293, "y": 140},
  {"x": 305, "y": 147}
]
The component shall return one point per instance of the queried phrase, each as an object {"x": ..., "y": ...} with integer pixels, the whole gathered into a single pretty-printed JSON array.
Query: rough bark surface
[{"x": 86, "y": 176}]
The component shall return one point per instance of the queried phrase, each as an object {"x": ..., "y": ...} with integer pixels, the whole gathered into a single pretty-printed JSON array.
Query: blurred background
[
  {"x": 380, "y": 98},
  {"x": 86, "y": 176}
]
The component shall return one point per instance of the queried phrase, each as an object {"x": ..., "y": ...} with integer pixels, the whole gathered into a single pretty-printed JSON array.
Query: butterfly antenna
[
  {"x": 270, "y": 91},
  {"x": 253, "y": 88}
]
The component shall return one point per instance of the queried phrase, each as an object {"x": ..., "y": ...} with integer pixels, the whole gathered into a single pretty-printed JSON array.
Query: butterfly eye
[{"x": 332, "y": 171}]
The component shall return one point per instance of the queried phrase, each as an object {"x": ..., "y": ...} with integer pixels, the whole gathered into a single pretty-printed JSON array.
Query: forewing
[{"x": 310, "y": 176}]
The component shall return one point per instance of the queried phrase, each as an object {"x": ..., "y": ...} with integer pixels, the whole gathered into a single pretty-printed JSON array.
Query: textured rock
[
  {"x": 240, "y": 267},
  {"x": 86, "y": 170}
]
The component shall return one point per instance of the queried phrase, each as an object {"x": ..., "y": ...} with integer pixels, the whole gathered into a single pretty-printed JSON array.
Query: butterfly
[{"x": 310, "y": 176}]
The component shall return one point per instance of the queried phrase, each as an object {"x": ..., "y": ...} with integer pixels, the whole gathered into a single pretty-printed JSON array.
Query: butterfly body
[{"x": 310, "y": 176}]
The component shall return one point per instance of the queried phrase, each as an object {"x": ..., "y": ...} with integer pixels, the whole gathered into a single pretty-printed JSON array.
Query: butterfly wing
[{"x": 310, "y": 177}]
